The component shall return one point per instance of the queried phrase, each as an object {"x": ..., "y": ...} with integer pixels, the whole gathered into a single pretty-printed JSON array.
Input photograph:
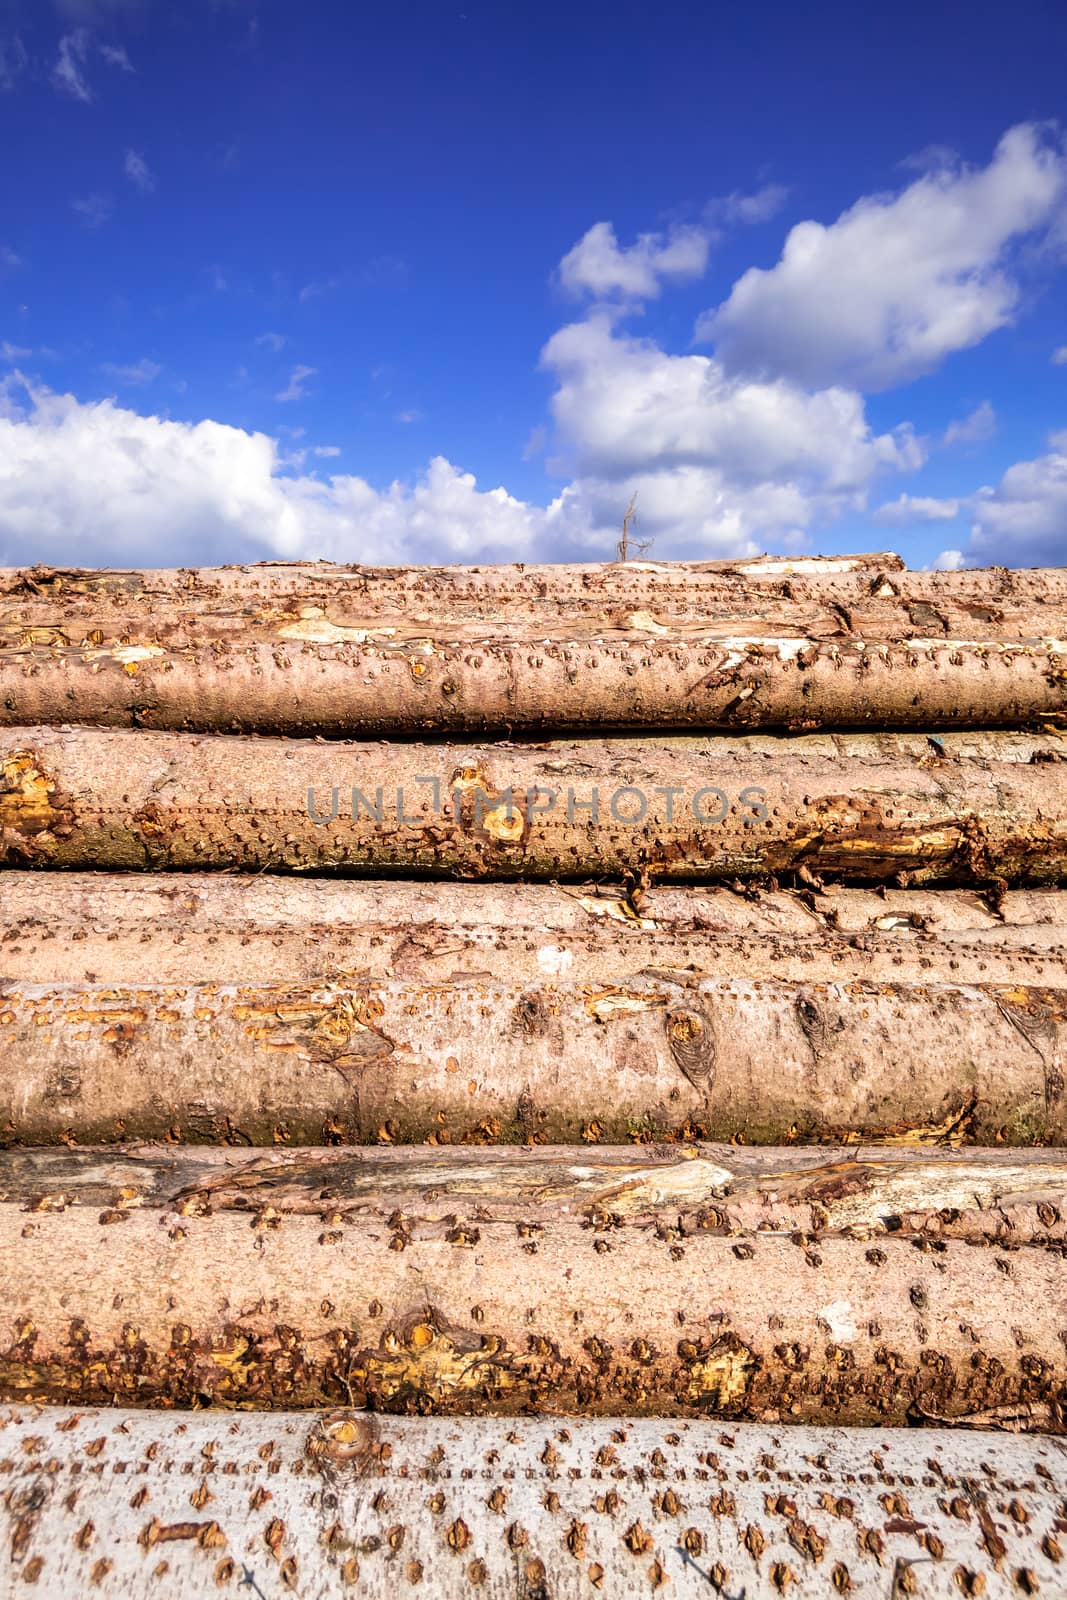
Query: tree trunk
[
  {"x": 501, "y": 649},
  {"x": 647, "y": 1054},
  {"x": 864, "y": 807},
  {"x": 133, "y": 928},
  {"x": 640, "y": 1296},
  {"x": 135, "y": 1505}
]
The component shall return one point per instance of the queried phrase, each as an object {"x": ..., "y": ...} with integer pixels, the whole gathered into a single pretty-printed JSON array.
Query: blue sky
[{"x": 429, "y": 281}]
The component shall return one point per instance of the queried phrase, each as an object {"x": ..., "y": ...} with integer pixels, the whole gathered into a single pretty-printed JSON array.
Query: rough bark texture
[
  {"x": 689, "y": 589},
  {"x": 138, "y": 1506},
  {"x": 641, "y": 1302},
  {"x": 648, "y": 1054},
  {"x": 955, "y": 808},
  {"x": 313, "y": 675},
  {"x": 132, "y": 928},
  {"x": 624, "y": 646}
]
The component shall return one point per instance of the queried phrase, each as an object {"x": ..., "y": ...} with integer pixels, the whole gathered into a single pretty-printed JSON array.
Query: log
[
  {"x": 584, "y": 583},
  {"x": 955, "y": 809},
  {"x": 135, "y": 1505},
  {"x": 999, "y": 1196},
  {"x": 134, "y": 928},
  {"x": 650, "y": 1054},
  {"x": 298, "y": 679},
  {"x": 625, "y": 1295},
  {"x": 696, "y": 652},
  {"x": 875, "y": 584}
]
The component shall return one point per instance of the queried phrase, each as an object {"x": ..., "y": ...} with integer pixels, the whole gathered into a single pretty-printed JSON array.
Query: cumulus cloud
[
  {"x": 138, "y": 171},
  {"x": 911, "y": 508},
  {"x": 600, "y": 266},
  {"x": 976, "y": 428},
  {"x": 1023, "y": 521},
  {"x": 1059, "y": 357},
  {"x": 726, "y": 459},
  {"x": 717, "y": 458},
  {"x": 98, "y": 483},
  {"x": 899, "y": 281},
  {"x": 296, "y": 388}
]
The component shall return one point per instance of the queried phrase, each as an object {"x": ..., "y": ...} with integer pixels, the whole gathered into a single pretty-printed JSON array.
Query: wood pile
[{"x": 544, "y": 1081}]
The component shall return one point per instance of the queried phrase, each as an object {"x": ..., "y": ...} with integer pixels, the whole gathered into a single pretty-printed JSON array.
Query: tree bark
[
  {"x": 639, "y": 1302},
  {"x": 650, "y": 1054},
  {"x": 864, "y": 807},
  {"x": 539, "y": 649},
  {"x": 133, "y": 928},
  {"x": 997, "y": 1196},
  {"x": 135, "y": 1504}
]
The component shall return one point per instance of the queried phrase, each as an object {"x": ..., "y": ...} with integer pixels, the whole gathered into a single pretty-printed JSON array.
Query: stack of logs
[{"x": 529, "y": 1079}]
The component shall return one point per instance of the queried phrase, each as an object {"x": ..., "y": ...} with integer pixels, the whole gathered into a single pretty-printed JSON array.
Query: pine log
[
  {"x": 134, "y": 928},
  {"x": 136, "y": 1505},
  {"x": 472, "y": 650},
  {"x": 956, "y": 808},
  {"x": 500, "y": 584},
  {"x": 650, "y": 1054},
  {"x": 583, "y": 1290}
]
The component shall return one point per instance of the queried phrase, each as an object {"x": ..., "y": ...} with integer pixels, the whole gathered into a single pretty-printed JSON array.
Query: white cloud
[
  {"x": 271, "y": 341},
  {"x": 8, "y": 259},
  {"x": 138, "y": 171},
  {"x": 14, "y": 352},
  {"x": 627, "y": 405},
  {"x": 13, "y": 62},
  {"x": 911, "y": 508},
  {"x": 408, "y": 417},
  {"x": 115, "y": 55},
  {"x": 898, "y": 281},
  {"x": 723, "y": 465},
  {"x": 137, "y": 373},
  {"x": 296, "y": 388},
  {"x": 98, "y": 483},
  {"x": 761, "y": 206},
  {"x": 1059, "y": 357},
  {"x": 950, "y": 561},
  {"x": 68, "y": 74},
  {"x": 598, "y": 265},
  {"x": 977, "y": 428},
  {"x": 93, "y": 209},
  {"x": 1023, "y": 521}
]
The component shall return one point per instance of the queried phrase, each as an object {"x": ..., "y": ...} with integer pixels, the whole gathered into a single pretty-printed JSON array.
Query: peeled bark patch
[
  {"x": 581, "y": 1304},
  {"x": 958, "y": 808},
  {"x": 651, "y": 1055},
  {"x": 346, "y": 1502}
]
